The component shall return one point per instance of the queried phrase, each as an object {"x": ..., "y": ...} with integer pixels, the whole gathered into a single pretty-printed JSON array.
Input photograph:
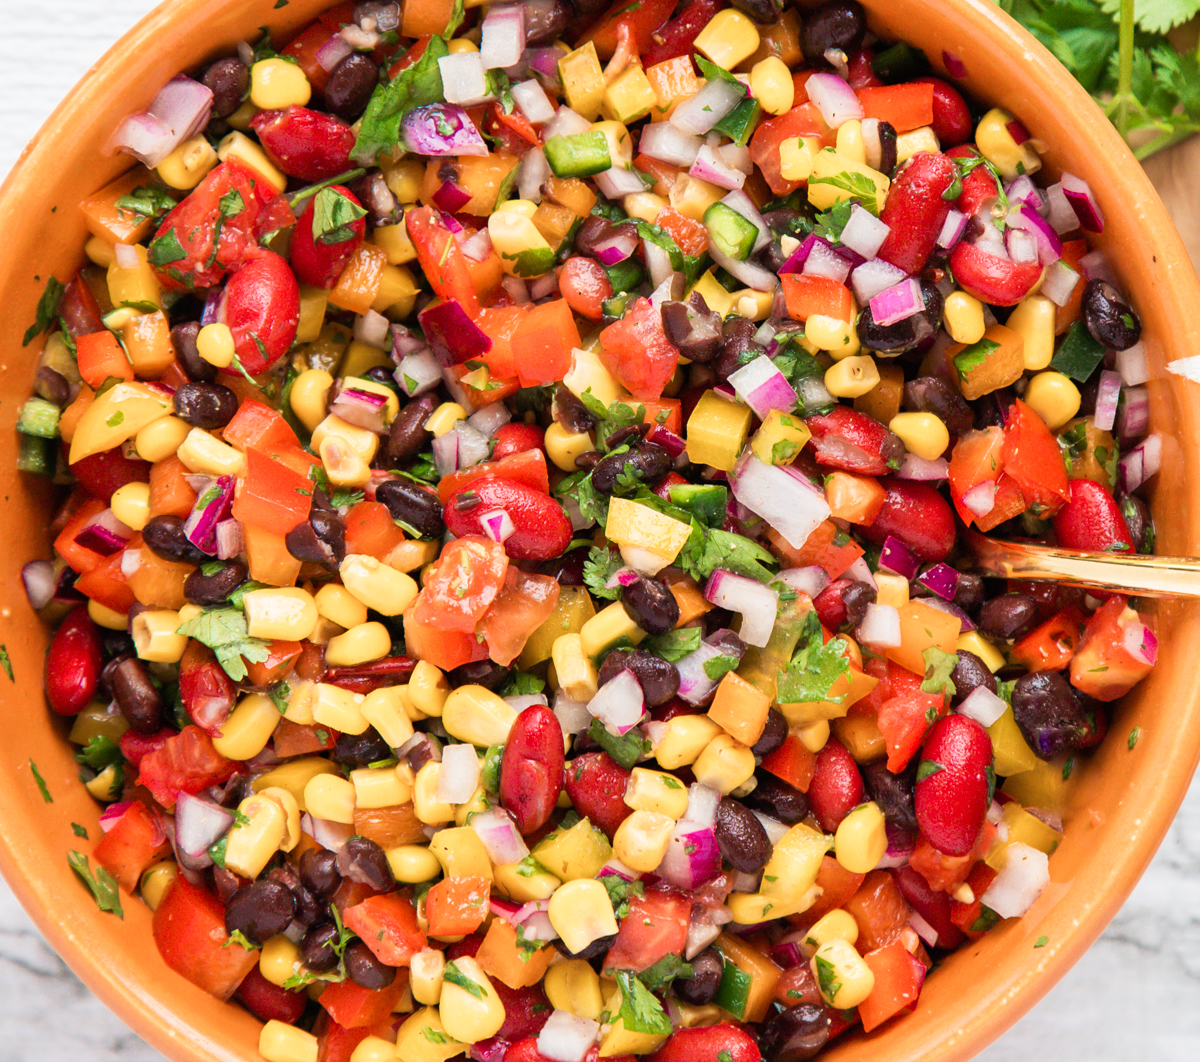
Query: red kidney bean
[
  {"x": 73, "y": 663},
  {"x": 516, "y": 439},
  {"x": 526, "y": 1010},
  {"x": 542, "y": 530},
  {"x": 79, "y": 310},
  {"x": 831, "y": 609},
  {"x": 851, "y": 441},
  {"x": 952, "y": 123},
  {"x": 262, "y": 310},
  {"x": 955, "y": 781},
  {"x": 269, "y": 1002},
  {"x": 915, "y": 210},
  {"x": 934, "y": 907},
  {"x": 305, "y": 144},
  {"x": 205, "y": 689},
  {"x": 1092, "y": 520},
  {"x": 990, "y": 278},
  {"x": 319, "y": 263},
  {"x": 526, "y": 1051},
  {"x": 713, "y": 1043},
  {"x": 917, "y": 515},
  {"x": 102, "y": 473},
  {"x": 531, "y": 773},
  {"x": 837, "y": 785},
  {"x": 978, "y": 186},
  {"x": 596, "y": 786},
  {"x": 677, "y": 37}
]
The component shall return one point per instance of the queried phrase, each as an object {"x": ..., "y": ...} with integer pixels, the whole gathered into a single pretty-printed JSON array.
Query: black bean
[
  {"x": 52, "y": 386},
  {"x": 304, "y": 544},
  {"x": 658, "y": 678},
  {"x": 758, "y": 10},
  {"x": 362, "y": 860},
  {"x": 381, "y": 374},
  {"x": 361, "y": 750},
  {"x": 426, "y": 750},
  {"x": 364, "y": 969},
  {"x": 784, "y": 221},
  {"x": 350, "y": 85},
  {"x": 707, "y": 971},
  {"x": 585, "y": 462},
  {"x": 774, "y": 734},
  {"x": 545, "y": 19},
  {"x": 968, "y": 595},
  {"x": 737, "y": 347},
  {"x": 201, "y": 589},
  {"x": 629, "y": 435},
  {"x": 385, "y": 13},
  {"x": 229, "y": 81},
  {"x": 566, "y": 570},
  {"x": 796, "y": 1034},
  {"x": 260, "y": 911},
  {"x": 743, "y": 841},
  {"x": 407, "y": 436},
  {"x": 480, "y": 673},
  {"x": 1008, "y": 616},
  {"x": 884, "y": 138},
  {"x": 592, "y": 231},
  {"x": 1049, "y": 716},
  {"x": 893, "y": 793},
  {"x": 773, "y": 257},
  {"x": 932, "y": 394},
  {"x": 856, "y": 597},
  {"x": 309, "y": 910},
  {"x": 136, "y": 696},
  {"x": 969, "y": 674},
  {"x": 906, "y": 334},
  {"x": 205, "y": 405},
  {"x": 1137, "y": 519},
  {"x": 647, "y": 462},
  {"x": 569, "y": 412},
  {"x": 839, "y": 25},
  {"x": 319, "y": 873},
  {"x": 1109, "y": 317},
  {"x": 317, "y": 949},
  {"x": 116, "y": 644},
  {"x": 651, "y": 605},
  {"x": 163, "y": 536},
  {"x": 693, "y": 328},
  {"x": 775, "y": 797},
  {"x": 594, "y": 950},
  {"x": 415, "y": 506}
]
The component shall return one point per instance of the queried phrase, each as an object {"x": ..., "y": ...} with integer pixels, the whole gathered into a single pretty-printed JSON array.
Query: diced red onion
[
  {"x": 753, "y": 276},
  {"x": 622, "y": 577},
  {"x": 1047, "y": 241},
  {"x": 113, "y": 814},
  {"x": 823, "y": 261},
  {"x": 1062, "y": 216},
  {"x": 418, "y": 372},
  {"x": 787, "y": 954},
  {"x": 923, "y": 929},
  {"x": 699, "y": 936},
  {"x": 694, "y": 684},
  {"x": 364, "y": 409},
  {"x": 870, "y": 278},
  {"x": 126, "y": 256},
  {"x": 616, "y": 248},
  {"x": 861, "y": 572},
  {"x": 534, "y": 171},
  {"x": 981, "y": 498},
  {"x": 737, "y": 157},
  {"x": 715, "y": 170},
  {"x": 618, "y": 182},
  {"x": 499, "y": 836},
  {"x": 1095, "y": 266},
  {"x": 445, "y": 453},
  {"x": 473, "y": 445},
  {"x": 897, "y": 557},
  {"x": 451, "y": 334},
  {"x": 1058, "y": 282},
  {"x": 567, "y": 1038},
  {"x": 897, "y": 303},
  {"x": 40, "y": 583},
  {"x": 619, "y": 704},
  {"x": 667, "y": 439},
  {"x": 199, "y": 824},
  {"x": 464, "y": 81},
  {"x": 1021, "y": 246},
  {"x": 833, "y": 98},
  {"x": 180, "y": 110},
  {"x": 754, "y": 601},
  {"x": 478, "y": 246},
  {"x": 1108, "y": 392},
  {"x": 696, "y": 116},
  {"x": 373, "y": 328},
  {"x": 1022, "y": 879},
  {"x": 1133, "y": 415},
  {"x": 880, "y": 627},
  {"x": 565, "y": 122},
  {"x": 1141, "y": 643},
  {"x": 104, "y": 534},
  {"x": 442, "y": 129},
  {"x": 230, "y": 539},
  {"x": 533, "y": 102},
  {"x": 490, "y": 419},
  {"x": 702, "y": 804},
  {"x": 789, "y": 503},
  {"x": 774, "y": 829},
  {"x": 527, "y": 700},
  {"x": 864, "y": 232},
  {"x": 1022, "y": 190},
  {"x": 665, "y": 142},
  {"x": 1134, "y": 365},
  {"x": 210, "y": 509},
  {"x": 503, "y": 37},
  {"x": 459, "y": 774},
  {"x": 544, "y": 62},
  {"x": 1140, "y": 463},
  {"x": 952, "y": 229},
  {"x": 982, "y": 705},
  {"x": 1083, "y": 202},
  {"x": 516, "y": 289},
  {"x": 693, "y": 857},
  {"x": 810, "y": 580},
  {"x": 332, "y": 52},
  {"x": 497, "y": 525},
  {"x": 941, "y": 579},
  {"x": 955, "y": 67},
  {"x": 918, "y": 468},
  {"x": 572, "y": 716},
  {"x": 504, "y": 908},
  {"x": 763, "y": 387}
]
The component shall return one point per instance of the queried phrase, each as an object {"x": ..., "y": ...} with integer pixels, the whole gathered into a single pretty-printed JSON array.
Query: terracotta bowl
[{"x": 1121, "y": 804}]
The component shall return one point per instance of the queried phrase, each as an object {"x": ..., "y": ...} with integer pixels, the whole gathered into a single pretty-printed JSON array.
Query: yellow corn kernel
[
  {"x": 632, "y": 524},
  {"x": 367, "y": 641},
  {"x": 374, "y": 1049},
  {"x": 377, "y": 586},
  {"x": 609, "y": 625},
  {"x": 135, "y": 285},
  {"x": 963, "y": 317},
  {"x": 155, "y": 881},
  {"x": 340, "y": 709},
  {"x": 308, "y": 397},
  {"x": 630, "y": 96},
  {"x": 422, "y": 1038},
  {"x": 276, "y": 84},
  {"x": 461, "y": 853},
  {"x": 461, "y": 44},
  {"x": 343, "y": 466},
  {"x": 253, "y": 841},
  {"x": 365, "y": 444},
  {"x": 1033, "y": 320},
  {"x": 692, "y": 196},
  {"x": 131, "y": 504},
  {"x": 852, "y": 377},
  {"x": 750, "y": 908},
  {"x": 1054, "y": 397},
  {"x": 426, "y": 978},
  {"x": 922, "y": 139},
  {"x": 161, "y": 439},
  {"x": 248, "y": 729},
  {"x": 466, "y": 1016},
  {"x": 999, "y": 147},
  {"x": 100, "y": 252},
  {"x": 189, "y": 612},
  {"x": 837, "y": 925},
  {"x": 186, "y": 166},
  {"x": 428, "y": 688},
  {"x": 891, "y": 589},
  {"x": 294, "y": 776},
  {"x": 154, "y": 636},
  {"x": 685, "y": 738},
  {"x": 336, "y": 603},
  {"x": 107, "y": 785},
  {"x": 279, "y": 960},
  {"x": 413, "y": 863},
  {"x": 239, "y": 146},
  {"x": 395, "y": 242},
  {"x": 974, "y": 642},
  {"x": 574, "y": 986},
  {"x": 752, "y": 305},
  {"x": 828, "y": 164},
  {"x": 641, "y": 840},
  {"x": 280, "y": 1042},
  {"x": 288, "y": 613},
  {"x": 728, "y": 38},
  {"x": 404, "y": 175},
  {"x": 426, "y": 805},
  {"x": 583, "y": 80},
  {"x": 513, "y": 236},
  {"x": 772, "y": 85},
  {"x": 849, "y": 142},
  {"x": 379, "y": 787},
  {"x": 329, "y": 796},
  {"x": 581, "y": 912},
  {"x": 925, "y": 434},
  {"x": 206, "y": 454},
  {"x": 443, "y": 419},
  {"x": 814, "y": 736},
  {"x": 214, "y": 344},
  {"x": 861, "y": 841},
  {"x": 412, "y": 554},
  {"x": 831, "y": 334},
  {"x": 852, "y": 979},
  {"x": 563, "y": 447},
  {"x": 384, "y": 710},
  {"x": 576, "y": 674},
  {"x": 656, "y": 791},
  {"x": 796, "y": 157},
  {"x": 477, "y": 715},
  {"x": 643, "y": 206},
  {"x": 724, "y": 764},
  {"x": 290, "y": 806}
]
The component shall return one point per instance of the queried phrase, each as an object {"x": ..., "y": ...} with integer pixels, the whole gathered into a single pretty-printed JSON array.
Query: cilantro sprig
[{"x": 814, "y": 667}]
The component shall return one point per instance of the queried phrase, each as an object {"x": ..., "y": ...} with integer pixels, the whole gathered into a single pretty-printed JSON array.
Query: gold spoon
[{"x": 1122, "y": 573}]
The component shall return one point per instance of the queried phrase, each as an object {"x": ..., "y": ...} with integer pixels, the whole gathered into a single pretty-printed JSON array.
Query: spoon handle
[{"x": 1138, "y": 574}]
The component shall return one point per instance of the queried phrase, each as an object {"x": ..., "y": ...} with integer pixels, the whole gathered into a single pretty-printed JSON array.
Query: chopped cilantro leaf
[
  {"x": 47, "y": 310},
  {"x": 41, "y": 783},
  {"x": 453, "y": 975},
  {"x": 640, "y": 1011},
  {"x": 602, "y": 563},
  {"x": 814, "y": 667},
  {"x": 102, "y": 884},
  {"x": 223, "y": 630}
]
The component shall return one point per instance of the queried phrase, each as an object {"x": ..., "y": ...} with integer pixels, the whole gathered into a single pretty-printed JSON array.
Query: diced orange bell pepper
[
  {"x": 80, "y": 558},
  {"x": 154, "y": 581},
  {"x": 792, "y": 762},
  {"x": 112, "y": 224},
  {"x": 370, "y": 530},
  {"x": 898, "y": 980},
  {"x": 100, "y": 357},
  {"x": 543, "y": 342},
  {"x": 257, "y": 424},
  {"x": 809, "y": 296},
  {"x": 501, "y": 958},
  {"x": 1050, "y": 646},
  {"x": 828, "y": 546},
  {"x": 148, "y": 341},
  {"x": 273, "y": 496},
  {"x": 906, "y": 107},
  {"x": 921, "y": 628},
  {"x": 170, "y": 494},
  {"x": 1067, "y": 314},
  {"x": 857, "y": 499},
  {"x": 359, "y": 282},
  {"x": 426, "y": 16},
  {"x": 499, "y": 323},
  {"x": 673, "y": 421},
  {"x": 455, "y": 907},
  {"x": 135, "y": 841},
  {"x": 268, "y": 558}
]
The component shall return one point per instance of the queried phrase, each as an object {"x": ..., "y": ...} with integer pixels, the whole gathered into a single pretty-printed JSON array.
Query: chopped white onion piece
[
  {"x": 982, "y": 705},
  {"x": 1025, "y": 874},
  {"x": 458, "y": 777},
  {"x": 880, "y": 627}
]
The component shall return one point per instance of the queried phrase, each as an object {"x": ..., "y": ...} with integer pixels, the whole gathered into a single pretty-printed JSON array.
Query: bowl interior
[{"x": 1119, "y": 804}]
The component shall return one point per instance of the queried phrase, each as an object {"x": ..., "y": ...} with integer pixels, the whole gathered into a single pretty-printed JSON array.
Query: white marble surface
[{"x": 1134, "y": 996}]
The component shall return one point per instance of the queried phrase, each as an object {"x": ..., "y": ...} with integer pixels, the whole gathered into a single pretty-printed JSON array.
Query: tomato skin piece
[
  {"x": 517, "y": 439},
  {"x": 638, "y": 353},
  {"x": 585, "y": 285},
  {"x": 463, "y": 583},
  {"x": 596, "y": 785},
  {"x": 1103, "y": 667},
  {"x": 542, "y": 530},
  {"x": 186, "y": 762},
  {"x": 851, "y": 441},
  {"x": 306, "y": 144},
  {"x": 315, "y": 262},
  {"x": 189, "y": 929},
  {"x": 678, "y": 37},
  {"x": 262, "y": 309},
  {"x": 206, "y": 690}
]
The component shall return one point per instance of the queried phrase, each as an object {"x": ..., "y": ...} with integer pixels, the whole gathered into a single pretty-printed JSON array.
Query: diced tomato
[
  {"x": 273, "y": 497},
  {"x": 189, "y": 929},
  {"x": 642, "y": 17},
  {"x": 906, "y": 107},
  {"x": 442, "y": 648},
  {"x": 523, "y": 604},
  {"x": 691, "y": 235},
  {"x": 828, "y": 546},
  {"x": 637, "y": 352},
  {"x": 440, "y": 258},
  {"x": 802, "y": 120},
  {"x": 527, "y": 467},
  {"x": 102, "y": 473},
  {"x": 335, "y": 1043},
  {"x": 1050, "y": 646},
  {"x": 837, "y": 885},
  {"x": 466, "y": 579},
  {"x": 1112, "y": 657},
  {"x": 542, "y": 343},
  {"x": 944, "y": 872},
  {"x": 585, "y": 285},
  {"x": 134, "y": 746},
  {"x": 457, "y": 906},
  {"x": 135, "y": 841},
  {"x": 354, "y": 1007},
  {"x": 371, "y": 530},
  {"x": 499, "y": 323},
  {"x": 304, "y": 50},
  {"x": 898, "y": 980},
  {"x": 656, "y": 925},
  {"x": 810, "y": 296},
  {"x": 185, "y": 763},
  {"x": 966, "y": 915},
  {"x": 80, "y": 557},
  {"x": 281, "y": 656},
  {"x": 205, "y": 688},
  {"x": 388, "y": 925},
  {"x": 302, "y": 739},
  {"x": 106, "y": 584},
  {"x": 1033, "y": 459}
]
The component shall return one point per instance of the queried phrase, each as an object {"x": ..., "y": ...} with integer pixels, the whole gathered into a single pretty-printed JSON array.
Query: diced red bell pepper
[
  {"x": 1033, "y": 459},
  {"x": 274, "y": 496},
  {"x": 678, "y": 37},
  {"x": 371, "y": 530},
  {"x": 106, "y": 584},
  {"x": 257, "y": 424},
  {"x": 898, "y": 980},
  {"x": 792, "y": 762},
  {"x": 189, "y": 929},
  {"x": 80, "y": 558},
  {"x": 100, "y": 357},
  {"x": 1050, "y": 646},
  {"x": 388, "y": 925},
  {"x": 637, "y": 352},
  {"x": 354, "y": 1007},
  {"x": 136, "y": 840},
  {"x": 441, "y": 259},
  {"x": 906, "y": 107},
  {"x": 185, "y": 763},
  {"x": 642, "y": 17},
  {"x": 802, "y": 120}
]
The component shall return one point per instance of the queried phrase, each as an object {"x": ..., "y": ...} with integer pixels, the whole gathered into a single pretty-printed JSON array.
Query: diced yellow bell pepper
[
  {"x": 1043, "y": 785},
  {"x": 118, "y": 414},
  {"x": 632, "y": 524},
  {"x": 974, "y": 642},
  {"x": 780, "y": 438},
  {"x": 1013, "y": 754},
  {"x": 513, "y": 882},
  {"x": 1023, "y": 828},
  {"x": 835, "y": 179},
  {"x": 796, "y": 157},
  {"x": 715, "y": 296},
  {"x": 588, "y": 374},
  {"x": 134, "y": 285},
  {"x": 578, "y": 852},
  {"x": 574, "y": 609},
  {"x": 608, "y": 627},
  {"x": 716, "y": 431},
  {"x": 921, "y": 628},
  {"x": 621, "y": 1041},
  {"x": 763, "y": 972},
  {"x": 629, "y": 97},
  {"x": 583, "y": 80}
]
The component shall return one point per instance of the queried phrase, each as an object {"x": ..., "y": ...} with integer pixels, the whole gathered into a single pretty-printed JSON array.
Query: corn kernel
[
  {"x": 374, "y": 1049},
  {"x": 924, "y": 434},
  {"x": 422, "y": 1038},
  {"x": 922, "y": 139},
  {"x": 248, "y": 729},
  {"x": 574, "y": 986},
  {"x": 384, "y": 710},
  {"x": 849, "y": 142},
  {"x": 131, "y": 504},
  {"x": 154, "y": 636},
  {"x": 772, "y": 85},
  {"x": 340, "y": 709},
  {"x": 837, "y": 925},
  {"x": 100, "y": 252},
  {"x": 428, "y": 688},
  {"x": 461, "y": 853},
  {"x": 581, "y": 912},
  {"x": 107, "y": 785},
  {"x": 728, "y": 38},
  {"x": 331, "y": 797},
  {"x": 253, "y": 841},
  {"x": 379, "y": 787},
  {"x": 426, "y": 805},
  {"x": 998, "y": 146},
  {"x": 861, "y": 841},
  {"x": 155, "y": 881},
  {"x": 204, "y": 453},
  {"x": 214, "y": 343},
  {"x": 1054, "y": 398},
  {"x": 831, "y": 334},
  {"x": 276, "y": 84},
  {"x": 641, "y": 840},
  {"x": 963, "y": 316},
  {"x": 724, "y": 764},
  {"x": 289, "y": 804},
  {"x": 692, "y": 196},
  {"x": 413, "y": 863},
  {"x": 563, "y": 447},
  {"x": 308, "y": 396},
  {"x": 814, "y": 736},
  {"x": 1033, "y": 320},
  {"x": 656, "y": 791},
  {"x": 186, "y": 166},
  {"x": 477, "y": 715},
  {"x": 465, "y": 1016},
  {"x": 685, "y": 738},
  {"x": 377, "y": 586},
  {"x": 425, "y": 972},
  {"x": 852, "y": 377},
  {"x": 461, "y": 44},
  {"x": 279, "y": 960},
  {"x": 577, "y": 676},
  {"x": 336, "y": 603},
  {"x": 443, "y": 419},
  {"x": 239, "y": 146},
  {"x": 796, "y": 157},
  {"x": 974, "y": 642},
  {"x": 161, "y": 439},
  {"x": 280, "y": 1042},
  {"x": 643, "y": 206},
  {"x": 476, "y": 803},
  {"x": 358, "y": 645},
  {"x": 852, "y": 979}
]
